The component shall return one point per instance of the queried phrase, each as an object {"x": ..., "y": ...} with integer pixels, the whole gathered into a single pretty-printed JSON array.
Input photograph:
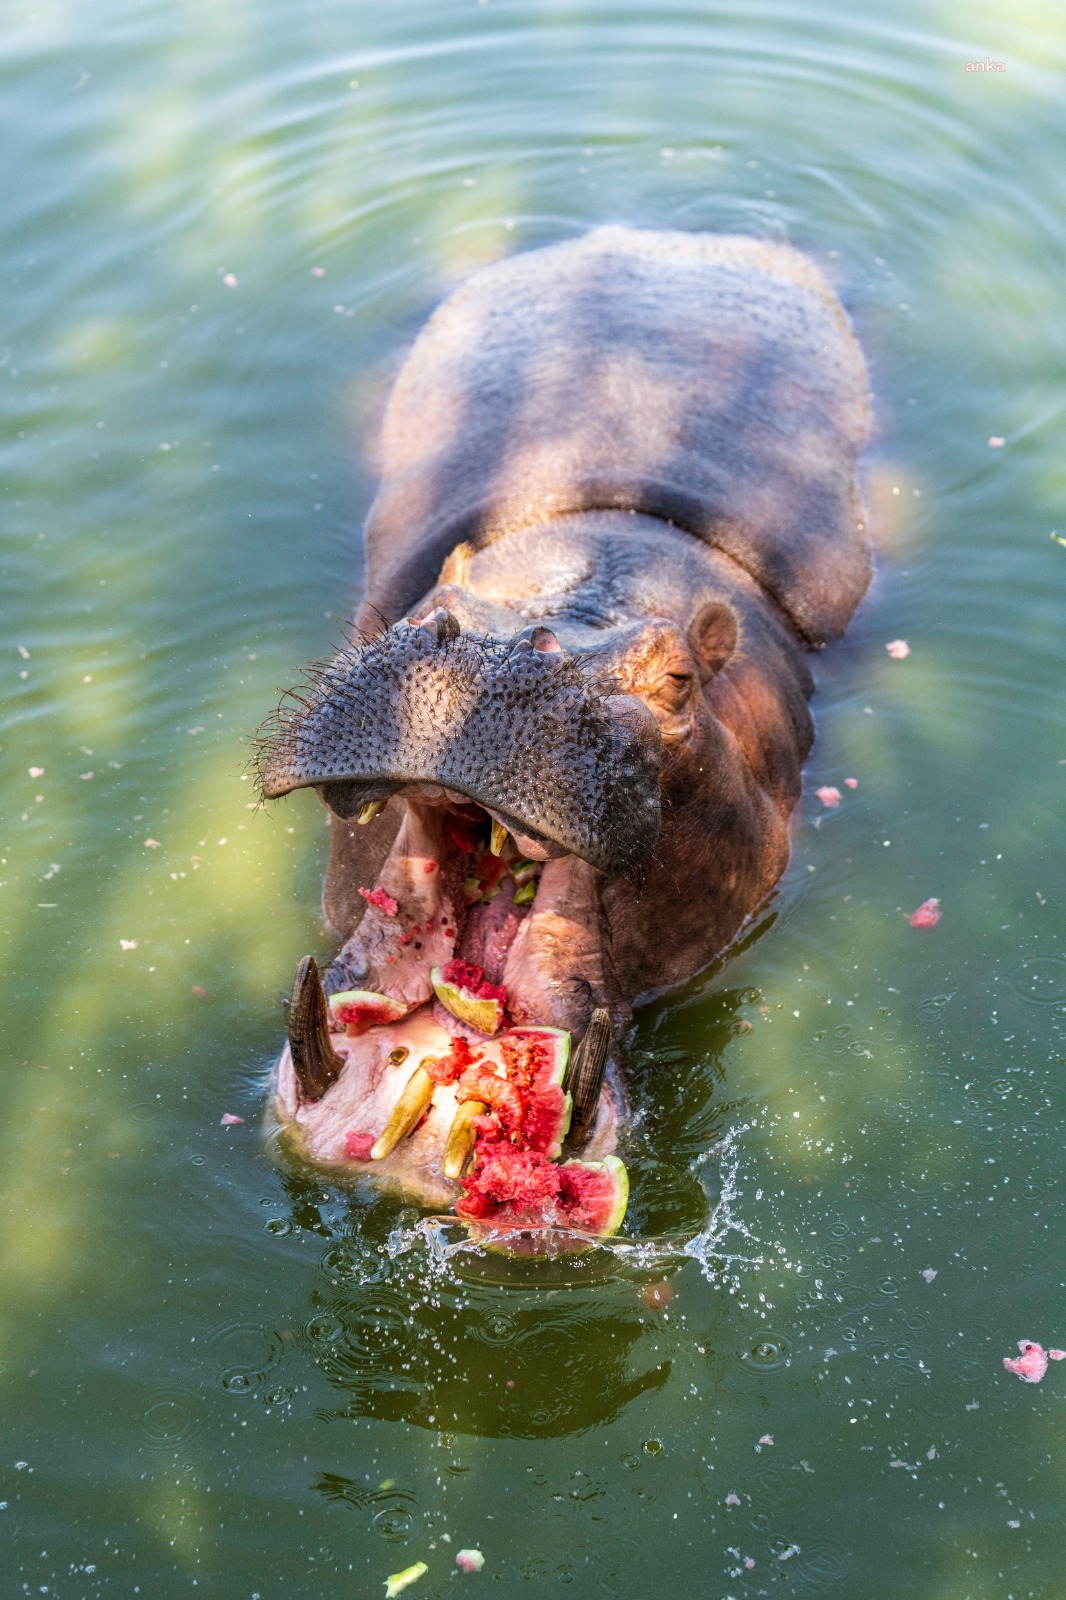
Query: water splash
[{"x": 725, "y": 1247}]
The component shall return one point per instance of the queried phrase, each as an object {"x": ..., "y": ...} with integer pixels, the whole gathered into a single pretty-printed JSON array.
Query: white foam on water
[{"x": 725, "y": 1247}]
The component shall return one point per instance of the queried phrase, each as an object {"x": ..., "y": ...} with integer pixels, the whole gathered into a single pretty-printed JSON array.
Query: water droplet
[
  {"x": 771, "y": 1353},
  {"x": 170, "y": 1419},
  {"x": 1041, "y": 979}
]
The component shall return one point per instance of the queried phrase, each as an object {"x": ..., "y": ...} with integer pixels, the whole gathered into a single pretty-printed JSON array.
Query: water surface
[{"x": 222, "y": 225}]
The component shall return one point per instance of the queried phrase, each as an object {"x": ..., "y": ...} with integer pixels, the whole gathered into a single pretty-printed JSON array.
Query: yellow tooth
[
  {"x": 499, "y": 838},
  {"x": 461, "y": 1138},
  {"x": 372, "y": 808},
  {"x": 406, "y": 1113}
]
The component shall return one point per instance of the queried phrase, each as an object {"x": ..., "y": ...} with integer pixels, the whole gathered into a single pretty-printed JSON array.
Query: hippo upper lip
[{"x": 521, "y": 733}]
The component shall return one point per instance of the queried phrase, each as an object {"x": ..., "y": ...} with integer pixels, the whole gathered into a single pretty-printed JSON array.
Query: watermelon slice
[
  {"x": 535, "y": 1056},
  {"x": 462, "y": 989},
  {"x": 535, "y": 1060},
  {"x": 362, "y": 1009},
  {"x": 511, "y": 1188},
  {"x": 594, "y": 1194}
]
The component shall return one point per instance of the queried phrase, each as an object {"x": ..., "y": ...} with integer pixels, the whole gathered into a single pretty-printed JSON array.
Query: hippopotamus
[{"x": 618, "y": 509}]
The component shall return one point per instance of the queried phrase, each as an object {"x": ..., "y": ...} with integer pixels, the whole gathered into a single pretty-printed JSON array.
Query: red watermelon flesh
[
  {"x": 515, "y": 1179},
  {"x": 445, "y": 1069},
  {"x": 546, "y": 1120},
  {"x": 362, "y": 1009},
  {"x": 535, "y": 1057},
  {"x": 507, "y": 1187},
  {"x": 479, "y": 1082},
  {"x": 535, "y": 1062}
]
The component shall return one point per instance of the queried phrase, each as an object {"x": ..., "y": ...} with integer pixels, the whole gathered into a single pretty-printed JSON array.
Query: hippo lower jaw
[{"x": 442, "y": 894}]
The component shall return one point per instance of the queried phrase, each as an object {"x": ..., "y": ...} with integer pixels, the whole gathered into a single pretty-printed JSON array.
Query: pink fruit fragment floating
[
  {"x": 851, "y": 783},
  {"x": 898, "y": 649},
  {"x": 469, "y": 1560},
  {"x": 1031, "y": 1365},
  {"x": 828, "y": 796},
  {"x": 927, "y": 914},
  {"x": 228, "y": 1120}
]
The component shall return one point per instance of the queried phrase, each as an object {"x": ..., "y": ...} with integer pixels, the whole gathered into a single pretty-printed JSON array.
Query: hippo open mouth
[{"x": 464, "y": 1020}]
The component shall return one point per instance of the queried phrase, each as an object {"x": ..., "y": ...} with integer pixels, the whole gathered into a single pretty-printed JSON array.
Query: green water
[{"x": 222, "y": 1377}]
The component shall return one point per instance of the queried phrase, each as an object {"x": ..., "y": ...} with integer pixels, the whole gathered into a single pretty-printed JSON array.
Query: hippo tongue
[{"x": 490, "y": 931}]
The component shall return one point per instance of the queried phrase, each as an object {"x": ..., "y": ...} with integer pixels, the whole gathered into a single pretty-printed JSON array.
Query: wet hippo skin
[{"x": 617, "y": 511}]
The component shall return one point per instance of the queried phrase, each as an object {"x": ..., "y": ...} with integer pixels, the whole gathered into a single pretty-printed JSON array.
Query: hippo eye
[{"x": 673, "y": 690}]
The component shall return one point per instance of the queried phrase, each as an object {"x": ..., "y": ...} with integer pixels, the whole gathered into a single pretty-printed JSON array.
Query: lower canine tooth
[
  {"x": 372, "y": 809},
  {"x": 461, "y": 1138},
  {"x": 498, "y": 839},
  {"x": 585, "y": 1075},
  {"x": 406, "y": 1114},
  {"x": 314, "y": 1060}
]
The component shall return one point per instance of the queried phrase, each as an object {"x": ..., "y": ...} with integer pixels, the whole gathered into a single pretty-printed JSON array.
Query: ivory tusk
[
  {"x": 368, "y": 812},
  {"x": 498, "y": 839},
  {"x": 406, "y": 1114},
  {"x": 461, "y": 1137}
]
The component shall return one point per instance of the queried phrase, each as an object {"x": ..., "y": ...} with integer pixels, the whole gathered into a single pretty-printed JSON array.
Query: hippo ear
[{"x": 713, "y": 638}]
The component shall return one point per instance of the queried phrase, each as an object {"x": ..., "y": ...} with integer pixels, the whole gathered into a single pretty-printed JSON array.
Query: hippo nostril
[
  {"x": 441, "y": 625},
  {"x": 537, "y": 637}
]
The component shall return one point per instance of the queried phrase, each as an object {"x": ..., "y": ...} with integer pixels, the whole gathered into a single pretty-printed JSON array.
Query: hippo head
[
  {"x": 511, "y": 727},
  {"x": 539, "y": 813}
]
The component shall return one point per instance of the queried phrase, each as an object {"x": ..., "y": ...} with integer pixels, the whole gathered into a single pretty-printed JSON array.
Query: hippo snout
[{"x": 515, "y": 725}]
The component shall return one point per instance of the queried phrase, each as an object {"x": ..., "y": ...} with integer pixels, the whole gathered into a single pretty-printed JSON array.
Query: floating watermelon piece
[
  {"x": 511, "y": 1188},
  {"x": 462, "y": 989},
  {"x": 362, "y": 1009},
  {"x": 594, "y": 1194}
]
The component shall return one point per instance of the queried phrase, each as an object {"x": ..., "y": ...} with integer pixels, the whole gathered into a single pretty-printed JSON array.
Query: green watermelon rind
[
  {"x": 369, "y": 998},
  {"x": 568, "y": 1116},
  {"x": 617, "y": 1168},
  {"x": 466, "y": 1007}
]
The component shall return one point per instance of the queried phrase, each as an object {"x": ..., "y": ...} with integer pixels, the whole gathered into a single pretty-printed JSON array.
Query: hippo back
[{"x": 708, "y": 380}]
